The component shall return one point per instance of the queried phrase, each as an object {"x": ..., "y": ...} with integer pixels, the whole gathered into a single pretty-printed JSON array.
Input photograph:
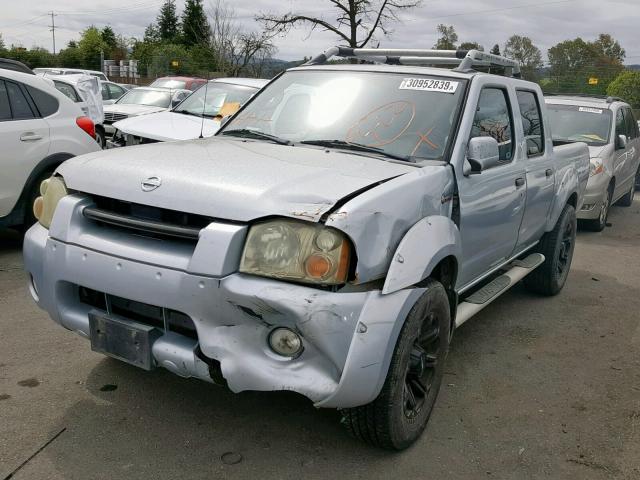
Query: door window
[
  {"x": 531, "y": 122},
  {"x": 115, "y": 91},
  {"x": 104, "y": 91},
  {"x": 5, "y": 110},
  {"x": 19, "y": 103},
  {"x": 493, "y": 119}
]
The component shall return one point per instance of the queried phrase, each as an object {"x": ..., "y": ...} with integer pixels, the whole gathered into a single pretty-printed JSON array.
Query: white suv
[{"x": 39, "y": 129}]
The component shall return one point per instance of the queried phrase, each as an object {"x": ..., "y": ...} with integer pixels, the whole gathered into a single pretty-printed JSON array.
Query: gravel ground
[{"x": 535, "y": 388}]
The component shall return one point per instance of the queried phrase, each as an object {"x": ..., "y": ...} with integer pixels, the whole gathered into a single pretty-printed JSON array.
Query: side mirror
[
  {"x": 621, "y": 142},
  {"x": 482, "y": 153},
  {"x": 175, "y": 102}
]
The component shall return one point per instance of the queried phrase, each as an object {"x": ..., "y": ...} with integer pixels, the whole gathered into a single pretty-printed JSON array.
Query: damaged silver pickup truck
[{"x": 328, "y": 240}]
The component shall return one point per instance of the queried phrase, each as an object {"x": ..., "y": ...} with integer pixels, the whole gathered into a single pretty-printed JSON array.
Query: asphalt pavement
[{"x": 534, "y": 388}]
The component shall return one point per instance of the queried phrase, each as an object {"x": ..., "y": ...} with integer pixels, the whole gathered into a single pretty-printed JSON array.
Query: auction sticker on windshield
[
  {"x": 589, "y": 110},
  {"x": 429, "y": 85}
]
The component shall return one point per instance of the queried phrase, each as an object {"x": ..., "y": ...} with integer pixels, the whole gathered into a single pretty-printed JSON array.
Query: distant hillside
[{"x": 633, "y": 67}]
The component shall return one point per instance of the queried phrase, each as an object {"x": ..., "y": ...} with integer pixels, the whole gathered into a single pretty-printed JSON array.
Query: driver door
[{"x": 491, "y": 202}]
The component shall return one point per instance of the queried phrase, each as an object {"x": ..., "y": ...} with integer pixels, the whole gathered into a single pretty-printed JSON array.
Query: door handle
[
  {"x": 30, "y": 137},
  {"x": 548, "y": 172},
  {"x": 519, "y": 181}
]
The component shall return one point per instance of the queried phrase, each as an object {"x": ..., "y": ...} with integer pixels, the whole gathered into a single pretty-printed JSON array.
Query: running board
[{"x": 517, "y": 270}]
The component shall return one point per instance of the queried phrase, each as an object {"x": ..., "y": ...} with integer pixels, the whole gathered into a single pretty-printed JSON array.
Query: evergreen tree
[
  {"x": 496, "y": 49},
  {"x": 195, "y": 27},
  {"x": 168, "y": 22},
  {"x": 151, "y": 34},
  {"x": 109, "y": 39}
]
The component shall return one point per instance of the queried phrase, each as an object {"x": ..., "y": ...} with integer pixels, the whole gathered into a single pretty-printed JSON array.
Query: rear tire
[
  {"x": 598, "y": 224},
  {"x": 557, "y": 247},
  {"x": 101, "y": 138},
  {"x": 399, "y": 415}
]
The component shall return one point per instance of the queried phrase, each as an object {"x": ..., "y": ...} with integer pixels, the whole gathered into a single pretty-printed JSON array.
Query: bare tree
[
  {"x": 235, "y": 50},
  {"x": 356, "y": 23}
]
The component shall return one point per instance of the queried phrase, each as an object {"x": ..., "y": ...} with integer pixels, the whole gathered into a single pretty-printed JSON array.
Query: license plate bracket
[{"x": 125, "y": 340}]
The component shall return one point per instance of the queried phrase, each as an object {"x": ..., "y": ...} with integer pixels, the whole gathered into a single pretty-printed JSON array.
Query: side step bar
[{"x": 517, "y": 270}]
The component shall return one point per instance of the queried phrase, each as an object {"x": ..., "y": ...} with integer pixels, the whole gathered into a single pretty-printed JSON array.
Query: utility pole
[{"x": 53, "y": 30}]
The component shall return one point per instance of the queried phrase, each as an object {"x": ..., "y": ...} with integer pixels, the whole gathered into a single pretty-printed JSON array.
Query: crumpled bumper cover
[{"x": 348, "y": 337}]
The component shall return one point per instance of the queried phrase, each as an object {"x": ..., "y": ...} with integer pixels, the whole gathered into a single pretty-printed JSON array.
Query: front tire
[
  {"x": 399, "y": 415},
  {"x": 598, "y": 224},
  {"x": 557, "y": 247}
]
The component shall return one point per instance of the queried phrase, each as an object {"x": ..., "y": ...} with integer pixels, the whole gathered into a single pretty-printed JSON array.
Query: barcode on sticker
[
  {"x": 589, "y": 110},
  {"x": 429, "y": 85}
]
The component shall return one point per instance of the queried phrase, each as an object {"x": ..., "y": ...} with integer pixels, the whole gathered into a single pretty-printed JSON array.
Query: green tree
[
  {"x": 168, "y": 22},
  {"x": 586, "y": 67},
  {"x": 70, "y": 57},
  {"x": 496, "y": 49},
  {"x": 471, "y": 46},
  {"x": 626, "y": 86},
  {"x": 526, "y": 53},
  {"x": 151, "y": 34},
  {"x": 195, "y": 27},
  {"x": 90, "y": 45},
  {"x": 2, "y": 46},
  {"x": 109, "y": 38},
  {"x": 448, "y": 37}
]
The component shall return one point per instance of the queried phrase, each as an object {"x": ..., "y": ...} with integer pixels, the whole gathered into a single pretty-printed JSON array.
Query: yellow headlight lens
[
  {"x": 52, "y": 190},
  {"x": 299, "y": 251}
]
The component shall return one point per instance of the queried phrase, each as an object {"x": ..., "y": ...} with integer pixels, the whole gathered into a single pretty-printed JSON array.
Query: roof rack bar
[{"x": 465, "y": 59}]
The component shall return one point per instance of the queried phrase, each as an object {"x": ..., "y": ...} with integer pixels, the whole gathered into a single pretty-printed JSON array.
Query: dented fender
[{"x": 427, "y": 243}]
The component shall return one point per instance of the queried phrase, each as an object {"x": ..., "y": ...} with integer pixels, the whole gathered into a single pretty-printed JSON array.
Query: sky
[{"x": 487, "y": 22}]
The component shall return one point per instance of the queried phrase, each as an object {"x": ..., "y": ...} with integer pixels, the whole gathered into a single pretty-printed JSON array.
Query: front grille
[
  {"x": 110, "y": 117},
  {"x": 159, "y": 317},
  {"x": 146, "y": 220}
]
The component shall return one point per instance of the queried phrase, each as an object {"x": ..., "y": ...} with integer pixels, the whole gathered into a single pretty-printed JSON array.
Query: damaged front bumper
[{"x": 348, "y": 337}]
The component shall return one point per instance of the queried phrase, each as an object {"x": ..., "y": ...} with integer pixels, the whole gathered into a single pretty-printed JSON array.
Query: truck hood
[
  {"x": 131, "y": 109},
  {"x": 167, "y": 126},
  {"x": 229, "y": 179}
]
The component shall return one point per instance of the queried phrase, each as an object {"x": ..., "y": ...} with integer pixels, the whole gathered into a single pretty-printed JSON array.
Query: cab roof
[{"x": 595, "y": 101}]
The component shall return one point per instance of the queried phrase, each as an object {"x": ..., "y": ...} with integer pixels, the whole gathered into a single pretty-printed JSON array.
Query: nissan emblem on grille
[{"x": 151, "y": 183}]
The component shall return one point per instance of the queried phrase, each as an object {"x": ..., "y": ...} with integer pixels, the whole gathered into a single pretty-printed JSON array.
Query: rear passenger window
[
  {"x": 5, "y": 111},
  {"x": 631, "y": 123},
  {"x": 19, "y": 103},
  {"x": 47, "y": 104},
  {"x": 493, "y": 119},
  {"x": 531, "y": 122}
]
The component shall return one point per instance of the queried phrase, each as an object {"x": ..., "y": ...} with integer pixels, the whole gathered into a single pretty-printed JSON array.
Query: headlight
[
  {"x": 52, "y": 190},
  {"x": 299, "y": 251},
  {"x": 595, "y": 167}
]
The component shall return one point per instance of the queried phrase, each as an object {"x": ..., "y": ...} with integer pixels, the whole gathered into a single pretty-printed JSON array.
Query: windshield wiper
[
  {"x": 247, "y": 133},
  {"x": 358, "y": 147}
]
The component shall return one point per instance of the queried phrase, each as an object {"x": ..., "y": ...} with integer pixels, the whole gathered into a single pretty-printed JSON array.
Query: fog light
[
  {"x": 588, "y": 206},
  {"x": 285, "y": 342}
]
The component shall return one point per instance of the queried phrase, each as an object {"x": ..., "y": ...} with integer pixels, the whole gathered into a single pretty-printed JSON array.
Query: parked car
[
  {"x": 141, "y": 101},
  {"x": 181, "y": 83},
  {"x": 192, "y": 117},
  {"x": 608, "y": 126},
  {"x": 70, "y": 71},
  {"x": 39, "y": 129},
  {"x": 326, "y": 241},
  {"x": 9, "y": 64}
]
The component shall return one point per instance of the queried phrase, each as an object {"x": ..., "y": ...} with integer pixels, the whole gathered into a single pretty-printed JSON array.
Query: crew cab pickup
[{"x": 328, "y": 240}]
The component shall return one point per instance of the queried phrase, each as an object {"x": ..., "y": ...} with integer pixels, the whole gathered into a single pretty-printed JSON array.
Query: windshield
[
  {"x": 169, "y": 83},
  {"x": 222, "y": 99},
  {"x": 153, "y": 98},
  {"x": 572, "y": 123},
  {"x": 397, "y": 114}
]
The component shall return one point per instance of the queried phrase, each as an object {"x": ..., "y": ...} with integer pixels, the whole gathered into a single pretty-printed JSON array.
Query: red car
[{"x": 188, "y": 83}]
